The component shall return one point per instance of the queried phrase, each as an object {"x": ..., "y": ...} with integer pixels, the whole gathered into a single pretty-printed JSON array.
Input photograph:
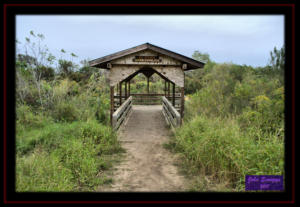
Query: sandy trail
[{"x": 147, "y": 166}]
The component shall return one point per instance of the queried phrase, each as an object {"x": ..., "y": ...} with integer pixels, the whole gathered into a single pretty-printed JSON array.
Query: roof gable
[{"x": 102, "y": 62}]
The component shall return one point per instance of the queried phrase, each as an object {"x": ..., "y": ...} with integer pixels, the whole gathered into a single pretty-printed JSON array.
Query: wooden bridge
[
  {"x": 148, "y": 59},
  {"x": 170, "y": 112}
]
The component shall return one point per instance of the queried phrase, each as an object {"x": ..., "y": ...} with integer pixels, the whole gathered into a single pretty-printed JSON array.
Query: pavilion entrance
[{"x": 147, "y": 59}]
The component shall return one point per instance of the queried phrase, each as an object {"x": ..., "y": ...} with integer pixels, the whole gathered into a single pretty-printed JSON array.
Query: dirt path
[{"x": 147, "y": 166}]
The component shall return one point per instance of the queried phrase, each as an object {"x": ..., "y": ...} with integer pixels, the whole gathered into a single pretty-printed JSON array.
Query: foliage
[
  {"x": 233, "y": 125},
  {"x": 63, "y": 141},
  {"x": 201, "y": 56}
]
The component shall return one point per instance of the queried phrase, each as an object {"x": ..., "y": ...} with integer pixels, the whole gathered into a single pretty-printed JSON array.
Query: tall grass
[
  {"x": 65, "y": 156},
  {"x": 217, "y": 148}
]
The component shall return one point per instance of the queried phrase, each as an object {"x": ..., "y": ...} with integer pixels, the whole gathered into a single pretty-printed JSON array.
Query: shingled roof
[{"x": 102, "y": 62}]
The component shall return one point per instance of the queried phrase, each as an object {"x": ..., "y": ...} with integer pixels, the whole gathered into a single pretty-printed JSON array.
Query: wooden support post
[
  {"x": 112, "y": 104},
  {"x": 120, "y": 94},
  {"x": 147, "y": 84},
  {"x": 129, "y": 88},
  {"x": 182, "y": 104},
  {"x": 168, "y": 89},
  {"x": 173, "y": 98},
  {"x": 165, "y": 88},
  {"x": 126, "y": 90}
]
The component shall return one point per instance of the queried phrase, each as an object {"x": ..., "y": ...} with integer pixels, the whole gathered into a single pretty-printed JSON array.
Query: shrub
[
  {"x": 64, "y": 89},
  {"x": 47, "y": 73},
  {"x": 65, "y": 112},
  {"x": 26, "y": 118}
]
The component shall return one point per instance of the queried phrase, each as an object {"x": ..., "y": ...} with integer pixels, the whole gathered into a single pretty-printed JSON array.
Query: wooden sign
[{"x": 146, "y": 59}]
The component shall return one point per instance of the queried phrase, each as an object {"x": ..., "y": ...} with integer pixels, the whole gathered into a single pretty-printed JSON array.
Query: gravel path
[{"x": 147, "y": 166}]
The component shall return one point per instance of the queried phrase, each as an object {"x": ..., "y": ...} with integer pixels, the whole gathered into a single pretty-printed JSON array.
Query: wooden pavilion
[{"x": 147, "y": 59}]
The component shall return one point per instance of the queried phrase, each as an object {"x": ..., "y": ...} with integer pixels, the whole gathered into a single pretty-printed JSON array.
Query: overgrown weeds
[{"x": 65, "y": 156}]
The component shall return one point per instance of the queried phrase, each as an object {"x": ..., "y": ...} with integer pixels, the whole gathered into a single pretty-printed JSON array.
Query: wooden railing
[
  {"x": 147, "y": 99},
  {"x": 121, "y": 113},
  {"x": 170, "y": 113}
]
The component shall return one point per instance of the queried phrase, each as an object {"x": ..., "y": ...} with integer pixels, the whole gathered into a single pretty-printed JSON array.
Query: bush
[
  {"x": 47, "y": 73},
  {"x": 65, "y": 112},
  {"x": 26, "y": 118}
]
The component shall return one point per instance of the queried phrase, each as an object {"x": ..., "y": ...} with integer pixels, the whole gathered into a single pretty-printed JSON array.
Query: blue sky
[{"x": 241, "y": 39}]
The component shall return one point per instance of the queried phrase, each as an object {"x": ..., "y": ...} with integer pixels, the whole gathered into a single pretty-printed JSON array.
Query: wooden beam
[
  {"x": 182, "y": 105},
  {"x": 165, "y": 87},
  {"x": 120, "y": 88},
  {"x": 111, "y": 104},
  {"x": 168, "y": 89},
  {"x": 126, "y": 90},
  {"x": 173, "y": 96},
  {"x": 147, "y": 84},
  {"x": 129, "y": 88}
]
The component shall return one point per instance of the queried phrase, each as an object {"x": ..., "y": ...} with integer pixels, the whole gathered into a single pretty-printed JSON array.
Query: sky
[{"x": 240, "y": 39}]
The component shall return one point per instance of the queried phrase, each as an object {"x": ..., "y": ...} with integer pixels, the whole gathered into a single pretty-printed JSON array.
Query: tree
[
  {"x": 38, "y": 59},
  {"x": 201, "y": 56},
  {"x": 65, "y": 67},
  {"x": 277, "y": 62}
]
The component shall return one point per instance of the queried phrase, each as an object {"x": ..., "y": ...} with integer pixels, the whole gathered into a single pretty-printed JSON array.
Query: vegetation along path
[{"x": 147, "y": 166}]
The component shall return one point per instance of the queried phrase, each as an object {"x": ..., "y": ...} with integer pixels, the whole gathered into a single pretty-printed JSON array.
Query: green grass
[
  {"x": 218, "y": 155},
  {"x": 65, "y": 156}
]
